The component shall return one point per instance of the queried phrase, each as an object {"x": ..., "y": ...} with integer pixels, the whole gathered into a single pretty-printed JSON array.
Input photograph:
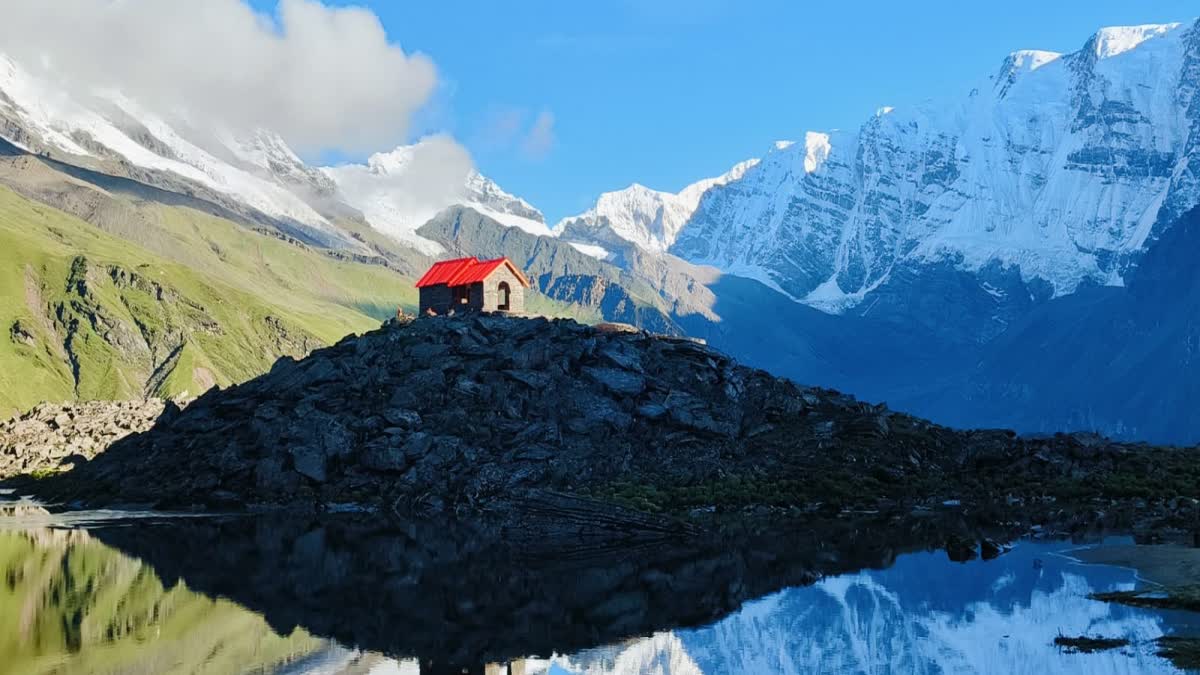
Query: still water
[{"x": 106, "y": 593}]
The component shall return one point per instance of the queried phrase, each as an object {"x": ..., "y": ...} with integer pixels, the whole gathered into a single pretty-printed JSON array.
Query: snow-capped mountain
[
  {"x": 108, "y": 131},
  {"x": 401, "y": 190},
  {"x": 255, "y": 173},
  {"x": 648, "y": 218},
  {"x": 1059, "y": 166}
]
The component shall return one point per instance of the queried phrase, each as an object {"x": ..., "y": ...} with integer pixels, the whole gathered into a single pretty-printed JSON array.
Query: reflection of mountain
[
  {"x": 454, "y": 597},
  {"x": 72, "y": 605},
  {"x": 455, "y": 594},
  {"x": 924, "y": 615}
]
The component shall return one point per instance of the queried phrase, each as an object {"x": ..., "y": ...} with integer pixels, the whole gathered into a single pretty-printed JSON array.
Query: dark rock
[
  {"x": 309, "y": 460},
  {"x": 403, "y": 417},
  {"x": 384, "y": 456},
  {"x": 652, "y": 411},
  {"x": 617, "y": 381},
  {"x": 417, "y": 446},
  {"x": 622, "y": 357},
  {"x": 692, "y": 411},
  {"x": 529, "y": 378}
]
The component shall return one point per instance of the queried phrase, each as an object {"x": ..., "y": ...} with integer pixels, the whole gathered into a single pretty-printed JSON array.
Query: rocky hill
[{"x": 484, "y": 412}]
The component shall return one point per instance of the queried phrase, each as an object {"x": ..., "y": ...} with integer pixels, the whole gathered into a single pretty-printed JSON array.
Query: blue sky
[{"x": 559, "y": 101}]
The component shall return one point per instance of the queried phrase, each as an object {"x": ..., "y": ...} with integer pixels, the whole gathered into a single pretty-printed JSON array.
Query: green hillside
[{"x": 89, "y": 315}]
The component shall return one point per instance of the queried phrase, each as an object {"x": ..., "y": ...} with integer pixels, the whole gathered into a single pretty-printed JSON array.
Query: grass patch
[{"x": 46, "y": 472}]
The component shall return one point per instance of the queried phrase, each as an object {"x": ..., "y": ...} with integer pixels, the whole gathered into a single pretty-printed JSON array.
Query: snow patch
[
  {"x": 1110, "y": 42},
  {"x": 816, "y": 150},
  {"x": 1029, "y": 60},
  {"x": 597, "y": 252}
]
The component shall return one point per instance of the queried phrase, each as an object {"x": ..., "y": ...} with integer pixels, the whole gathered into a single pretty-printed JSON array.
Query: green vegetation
[
  {"x": 168, "y": 299},
  {"x": 73, "y": 605},
  {"x": 536, "y": 303}
]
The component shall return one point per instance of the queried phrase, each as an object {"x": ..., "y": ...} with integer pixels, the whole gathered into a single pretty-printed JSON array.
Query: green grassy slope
[
  {"x": 85, "y": 314},
  {"x": 154, "y": 299},
  {"x": 73, "y": 605}
]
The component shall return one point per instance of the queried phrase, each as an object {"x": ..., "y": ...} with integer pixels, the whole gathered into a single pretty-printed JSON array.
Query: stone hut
[{"x": 470, "y": 284}]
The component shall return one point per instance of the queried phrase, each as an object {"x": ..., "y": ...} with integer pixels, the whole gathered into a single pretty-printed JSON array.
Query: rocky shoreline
[{"x": 483, "y": 414}]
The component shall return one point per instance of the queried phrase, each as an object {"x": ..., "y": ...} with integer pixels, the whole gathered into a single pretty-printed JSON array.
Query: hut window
[
  {"x": 504, "y": 293},
  {"x": 462, "y": 295}
]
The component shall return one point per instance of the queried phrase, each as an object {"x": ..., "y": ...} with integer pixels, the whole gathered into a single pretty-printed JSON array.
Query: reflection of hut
[
  {"x": 473, "y": 284},
  {"x": 515, "y": 668}
]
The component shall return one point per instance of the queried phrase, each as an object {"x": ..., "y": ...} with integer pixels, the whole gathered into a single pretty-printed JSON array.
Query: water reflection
[
  {"x": 924, "y": 615},
  {"x": 70, "y": 604},
  {"x": 355, "y": 596}
]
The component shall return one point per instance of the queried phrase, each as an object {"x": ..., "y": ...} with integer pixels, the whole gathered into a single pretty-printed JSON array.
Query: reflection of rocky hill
[
  {"x": 453, "y": 595},
  {"x": 73, "y": 605}
]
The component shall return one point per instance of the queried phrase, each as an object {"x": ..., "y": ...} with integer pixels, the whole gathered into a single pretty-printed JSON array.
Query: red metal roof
[{"x": 465, "y": 271}]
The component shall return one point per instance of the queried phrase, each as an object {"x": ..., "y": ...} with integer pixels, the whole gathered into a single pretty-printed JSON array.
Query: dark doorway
[
  {"x": 504, "y": 292},
  {"x": 462, "y": 295}
]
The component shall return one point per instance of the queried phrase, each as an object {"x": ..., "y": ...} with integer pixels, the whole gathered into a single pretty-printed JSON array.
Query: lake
[{"x": 142, "y": 593}]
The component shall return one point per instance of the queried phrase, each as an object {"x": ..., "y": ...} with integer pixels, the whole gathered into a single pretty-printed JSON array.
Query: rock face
[
  {"x": 54, "y": 437},
  {"x": 476, "y": 411}
]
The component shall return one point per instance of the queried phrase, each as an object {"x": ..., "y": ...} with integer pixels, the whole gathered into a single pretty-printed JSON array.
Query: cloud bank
[
  {"x": 325, "y": 78},
  {"x": 401, "y": 190}
]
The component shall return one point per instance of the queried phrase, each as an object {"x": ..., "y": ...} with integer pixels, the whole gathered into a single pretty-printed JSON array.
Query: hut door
[
  {"x": 503, "y": 292},
  {"x": 462, "y": 295}
]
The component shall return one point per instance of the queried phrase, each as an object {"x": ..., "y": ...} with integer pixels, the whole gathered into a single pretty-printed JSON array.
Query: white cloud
[
  {"x": 325, "y": 78},
  {"x": 401, "y": 190},
  {"x": 540, "y": 139}
]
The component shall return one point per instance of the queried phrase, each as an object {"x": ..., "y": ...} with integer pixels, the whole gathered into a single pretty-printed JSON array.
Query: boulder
[{"x": 616, "y": 381}]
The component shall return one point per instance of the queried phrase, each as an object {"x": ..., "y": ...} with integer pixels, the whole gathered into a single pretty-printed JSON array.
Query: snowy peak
[
  {"x": 1060, "y": 177},
  {"x": 401, "y": 190},
  {"x": 255, "y": 173},
  {"x": 484, "y": 192},
  {"x": 107, "y": 131},
  {"x": 816, "y": 150},
  {"x": 1109, "y": 42},
  {"x": 650, "y": 219},
  {"x": 1027, "y": 60}
]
